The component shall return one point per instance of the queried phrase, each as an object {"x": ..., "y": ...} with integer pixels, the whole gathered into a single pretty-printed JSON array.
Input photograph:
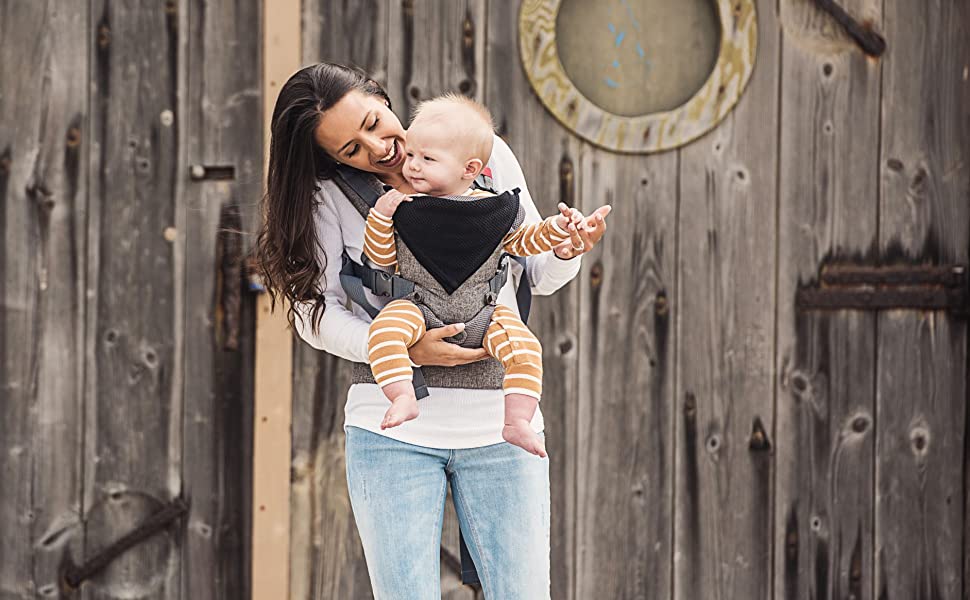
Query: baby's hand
[
  {"x": 568, "y": 215},
  {"x": 388, "y": 203}
]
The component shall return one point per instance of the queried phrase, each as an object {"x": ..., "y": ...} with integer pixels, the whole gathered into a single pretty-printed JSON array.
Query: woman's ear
[{"x": 473, "y": 167}]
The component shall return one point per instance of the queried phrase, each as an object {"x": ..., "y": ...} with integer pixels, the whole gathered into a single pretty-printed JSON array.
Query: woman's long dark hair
[{"x": 287, "y": 250}]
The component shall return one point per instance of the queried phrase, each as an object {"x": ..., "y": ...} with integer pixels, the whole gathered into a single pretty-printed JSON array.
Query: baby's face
[{"x": 434, "y": 165}]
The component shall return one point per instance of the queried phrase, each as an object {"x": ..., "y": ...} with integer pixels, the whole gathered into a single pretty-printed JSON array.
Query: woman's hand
[
  {"x": 585, "y": 236},
  {"x": 432, "y": 350}
]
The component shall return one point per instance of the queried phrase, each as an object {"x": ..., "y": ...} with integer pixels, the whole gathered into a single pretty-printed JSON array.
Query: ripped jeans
[{"x": 397, "y": 491}]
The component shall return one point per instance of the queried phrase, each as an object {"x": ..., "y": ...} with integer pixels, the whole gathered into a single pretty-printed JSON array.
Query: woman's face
[{"x": 361, "y": 131}]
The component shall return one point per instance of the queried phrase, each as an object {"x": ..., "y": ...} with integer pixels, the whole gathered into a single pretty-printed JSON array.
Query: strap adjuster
[{"x": 381, "y": 283}]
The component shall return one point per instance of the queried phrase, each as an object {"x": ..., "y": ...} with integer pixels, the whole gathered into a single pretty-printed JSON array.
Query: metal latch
[
  {"x": 212, "y": 172},
  {"x": 861, "y": 287},
  {"x": 72, "y": 576}
]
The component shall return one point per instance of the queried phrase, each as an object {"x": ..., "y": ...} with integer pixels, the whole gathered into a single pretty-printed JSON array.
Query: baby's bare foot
[
  {"x": 519, "y": 433},
  {"x": 403, "y": 408}
]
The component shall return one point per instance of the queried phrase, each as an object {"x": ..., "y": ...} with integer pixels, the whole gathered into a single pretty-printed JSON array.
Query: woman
[{"x": 328, "y": 114}]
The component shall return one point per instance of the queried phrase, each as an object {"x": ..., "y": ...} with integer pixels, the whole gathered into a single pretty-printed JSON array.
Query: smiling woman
[{"x": 373, "y": 143}]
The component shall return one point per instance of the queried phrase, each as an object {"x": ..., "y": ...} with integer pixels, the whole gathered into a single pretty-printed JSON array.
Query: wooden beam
[{"x": 274, "y": 350}]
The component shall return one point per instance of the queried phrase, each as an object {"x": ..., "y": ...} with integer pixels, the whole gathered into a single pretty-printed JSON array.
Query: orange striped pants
[{"x": 401, "y": 324}]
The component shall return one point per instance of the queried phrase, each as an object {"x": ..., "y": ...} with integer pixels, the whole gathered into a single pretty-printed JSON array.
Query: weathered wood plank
[
  {"x": 43, "y": 143},
  {"x": 351, "y": 33},
  {"x": 433, "y": 48},
  {"x": 924, "y": 218},
  {"x": 223, "y": 95},
  {"x": 549, "y": 156},
  {"x": 273, "y": 360},
  {"x": 326, "y": 553},
  {"x": 726, "y": 257},
  {"x": 624, "y": 445},
  {"x": 133, "y": 431},
  {"x": 828, "y": 200}
]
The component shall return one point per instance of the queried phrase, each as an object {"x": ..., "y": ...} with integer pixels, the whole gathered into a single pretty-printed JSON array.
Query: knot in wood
[
  {"x": 73, "y": 137},
  {"x": 690, "y": 405},
  {"x": 104, "y": 36},
  {"x": 468, "y": 32},
  {"x": 920, "y": 438},
  {"x": 596, "y": 275},
  {"x": 660, "y": 306}
]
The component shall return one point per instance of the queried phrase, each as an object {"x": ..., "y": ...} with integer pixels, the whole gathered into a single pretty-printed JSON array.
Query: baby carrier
[{"x": 456, "y": 273}]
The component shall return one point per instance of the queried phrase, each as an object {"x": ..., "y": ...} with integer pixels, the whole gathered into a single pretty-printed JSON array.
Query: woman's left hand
[{"x": 583, "y": 238}]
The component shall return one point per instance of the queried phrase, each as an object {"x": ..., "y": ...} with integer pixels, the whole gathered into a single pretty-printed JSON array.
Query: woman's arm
[
  {"x": 547, "y": 272},
  {"x": 341, "y": 332}
]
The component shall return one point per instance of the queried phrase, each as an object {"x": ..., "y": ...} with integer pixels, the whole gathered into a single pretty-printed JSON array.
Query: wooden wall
[
  {"x": 707, "y": 438},
  {"x": 126, "y": 340}
]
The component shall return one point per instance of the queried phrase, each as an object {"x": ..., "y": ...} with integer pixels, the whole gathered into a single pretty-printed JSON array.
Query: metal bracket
[
  {"x": 861, "y": 287},
  {"x": 212, "y": 172},
  {"x": 871, "y": 42},
  {"x": 72, "y": 576}
]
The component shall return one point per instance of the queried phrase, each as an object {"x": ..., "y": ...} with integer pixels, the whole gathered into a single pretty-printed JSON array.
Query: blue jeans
[{"x": 501, "y": 492}]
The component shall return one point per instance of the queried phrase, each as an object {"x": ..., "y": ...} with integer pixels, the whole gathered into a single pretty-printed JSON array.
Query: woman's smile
[{"x": 393, "y": 157}]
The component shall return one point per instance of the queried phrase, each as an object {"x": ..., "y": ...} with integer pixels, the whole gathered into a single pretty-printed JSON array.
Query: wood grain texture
[
  {"x": 133, "y": 431},
  {"x": 42, "y": 290},
  {"x": 549, "y": 157},
  {"x": 921, "y": 386},
  {"x": 223, "y": 96},
  {"x": 624, "y": 465},
  {"x": 273, "y": 381},
  {"x": 433, "y": 48},
  {"x": 725, "y": 344},
  {"x": 828, "y": 202}
]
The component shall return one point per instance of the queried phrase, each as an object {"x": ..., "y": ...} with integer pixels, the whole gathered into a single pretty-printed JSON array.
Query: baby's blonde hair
[{"x": 469, "y": 120}]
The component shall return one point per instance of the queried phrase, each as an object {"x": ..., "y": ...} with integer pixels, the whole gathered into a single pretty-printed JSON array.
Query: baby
[{"x": 448, "y": 144}]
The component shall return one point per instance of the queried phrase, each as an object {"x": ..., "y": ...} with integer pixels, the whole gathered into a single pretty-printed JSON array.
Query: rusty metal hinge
[
  {"x": 869, "y": 40},
  {"x": 860, "y": 287},
  {"x": 72, "y": 576}
]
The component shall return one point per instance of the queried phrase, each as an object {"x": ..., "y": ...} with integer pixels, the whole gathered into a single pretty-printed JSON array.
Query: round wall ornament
[{"x": 638, "y": 76}]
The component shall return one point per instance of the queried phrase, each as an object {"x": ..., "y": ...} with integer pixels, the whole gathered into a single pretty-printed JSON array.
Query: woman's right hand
[{"x": 432, "y": 350}]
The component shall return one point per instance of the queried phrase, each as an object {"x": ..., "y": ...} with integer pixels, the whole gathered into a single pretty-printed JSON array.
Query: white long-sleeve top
[{"x": 450, "y": 418}]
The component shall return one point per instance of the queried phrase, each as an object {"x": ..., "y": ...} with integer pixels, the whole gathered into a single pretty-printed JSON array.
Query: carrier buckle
[{"x": 382, "y": 284}]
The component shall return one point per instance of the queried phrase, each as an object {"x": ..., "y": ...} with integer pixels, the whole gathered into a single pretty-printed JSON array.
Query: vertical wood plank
[
  {"x": 133, "y": 434},
  {"x": 549, "y": 156},
  {"x": 270, "y": 567},
  {"x": 327, "y": 557},
  {"x": 433, "y": 48},
  {"x": 223, "y": 99},
  {"x": 828, "y": 201},
  {"x": 924, "y": 218},
  {"x": 624, "y": 446},
  {"x": 725, "y": 343},
  {"x": 43, "y": 144}
]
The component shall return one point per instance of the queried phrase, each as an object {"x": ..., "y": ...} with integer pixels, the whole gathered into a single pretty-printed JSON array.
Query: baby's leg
[
  {"x": 395, "y": 329},
  {"x": 510, "y": 341}
]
